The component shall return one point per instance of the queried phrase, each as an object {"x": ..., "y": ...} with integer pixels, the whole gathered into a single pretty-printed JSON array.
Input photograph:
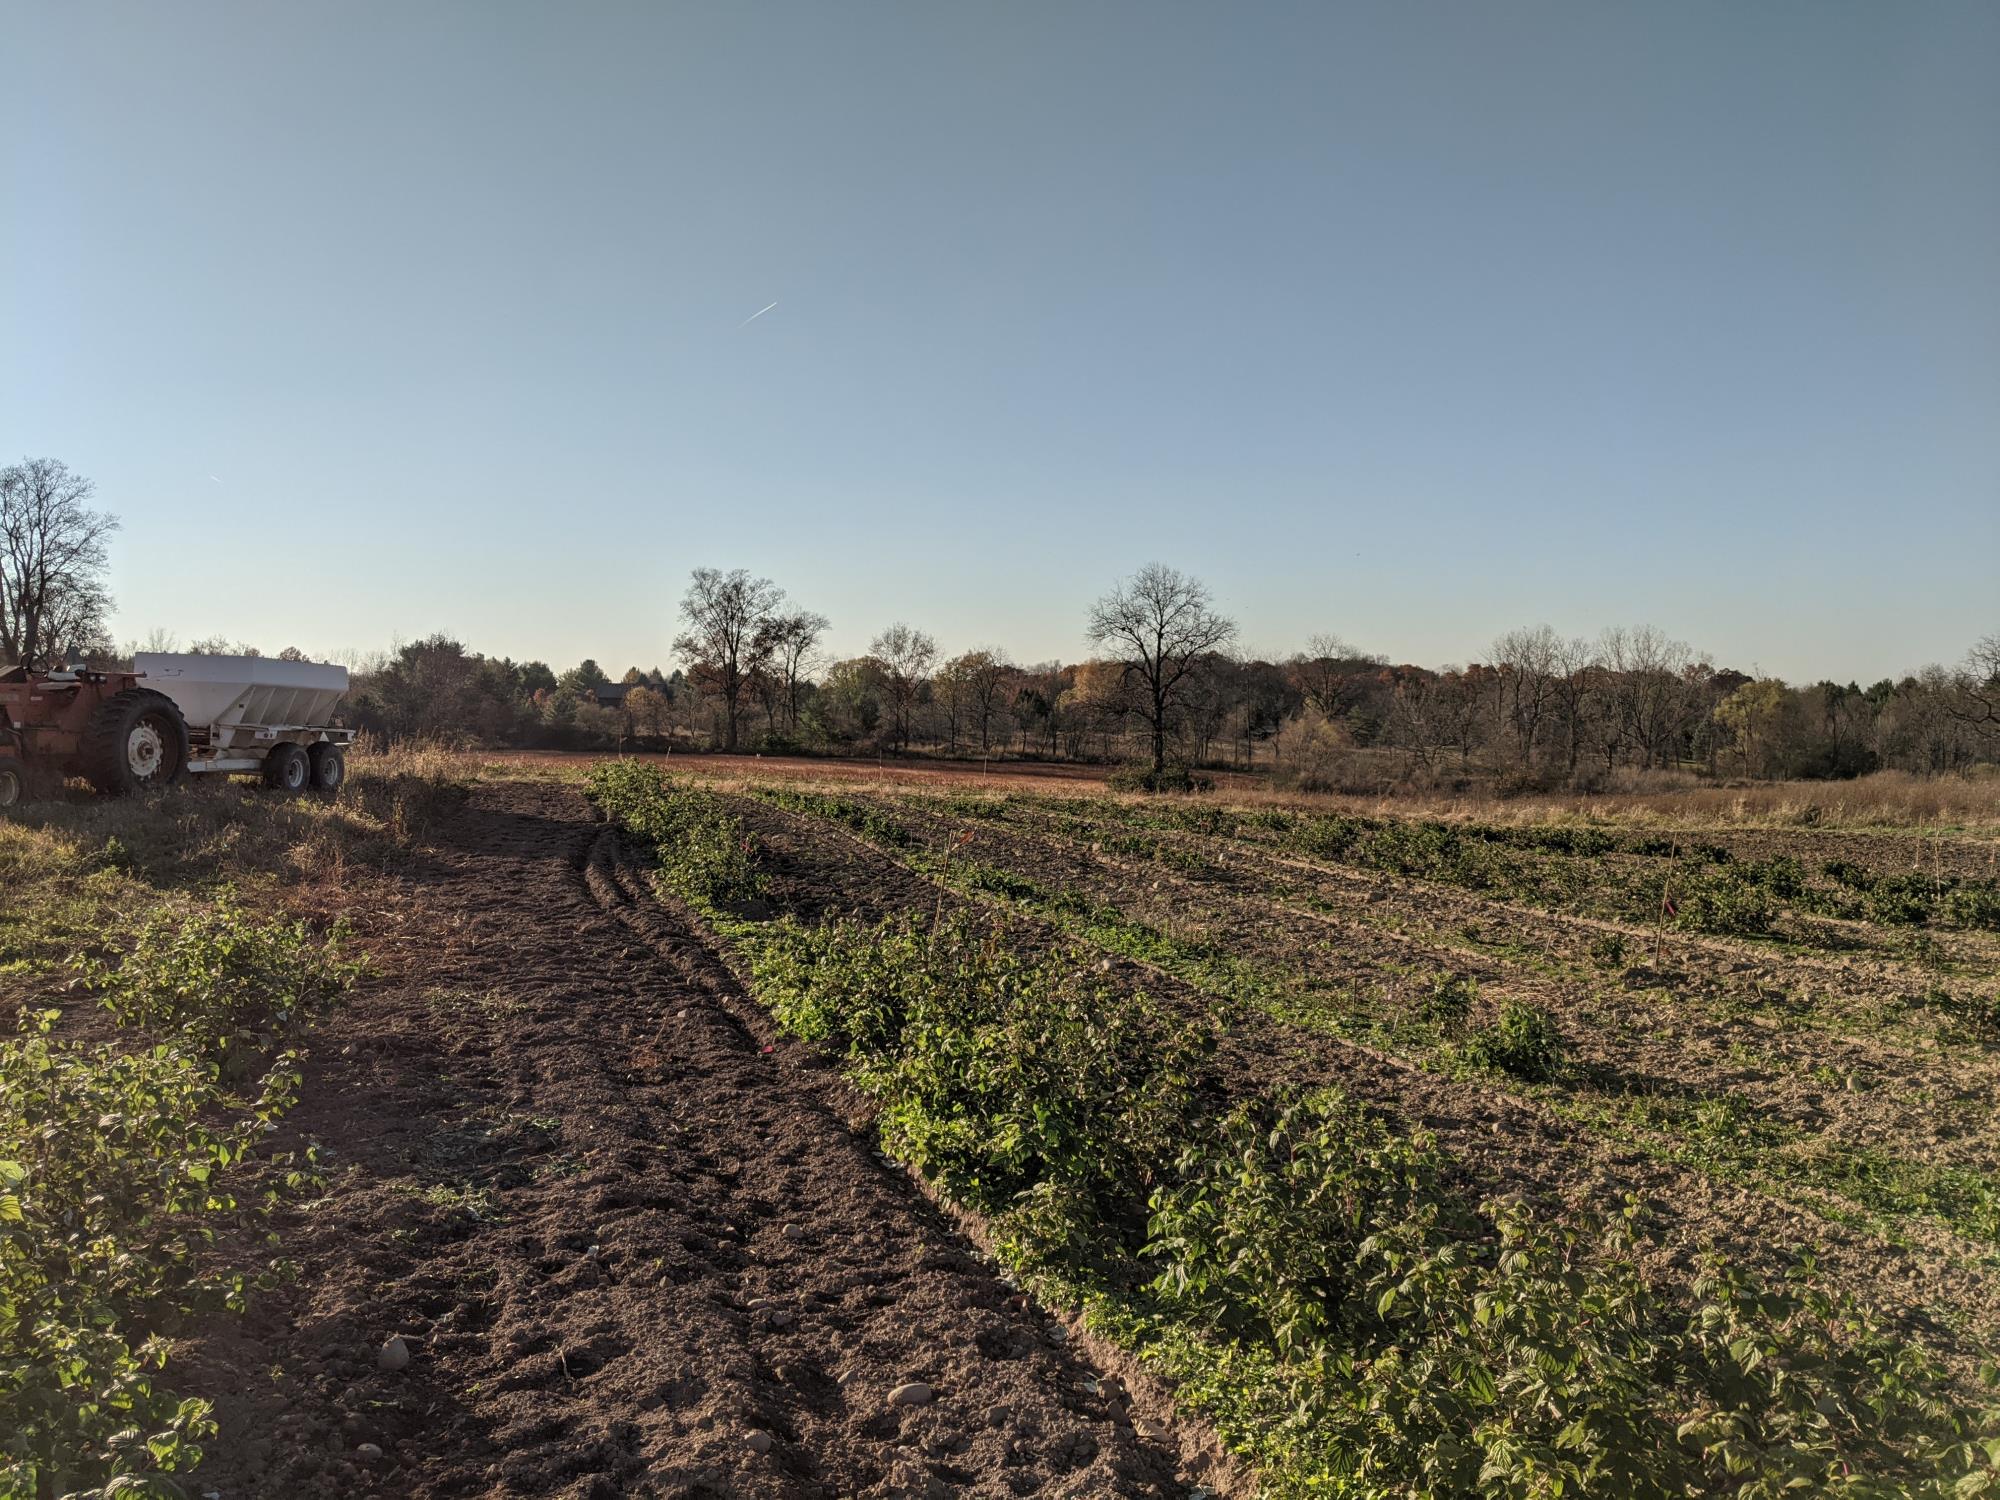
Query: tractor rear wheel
[
  {"x": 286, "y": 769},
  {"x": 136, "y": 741}
]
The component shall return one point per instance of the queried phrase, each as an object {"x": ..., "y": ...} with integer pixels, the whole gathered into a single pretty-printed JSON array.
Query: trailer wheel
[
  {"x": 286, "y": 769},
  {"x": 12, "y": 785},
  {"x": 136, "y": 741},
  {"x": 329, "y": 767}
]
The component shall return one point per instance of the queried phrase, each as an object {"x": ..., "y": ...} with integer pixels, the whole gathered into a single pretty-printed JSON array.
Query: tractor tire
[
  {"x": 287, "y": 769},
  {"x": 329, "y": 768},
  {"x": 136, "y": 741}
]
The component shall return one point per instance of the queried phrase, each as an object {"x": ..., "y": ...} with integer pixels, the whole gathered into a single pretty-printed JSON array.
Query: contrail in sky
[
  {"x": 756, "y": 315},
  {"x": 218, "y": 481}
]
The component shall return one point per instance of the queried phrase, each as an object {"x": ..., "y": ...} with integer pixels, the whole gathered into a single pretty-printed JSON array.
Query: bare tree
[
  {"x": 789, "y": 641},
  {"x": 1575, "y": 676},
  {"x": 905, "y": 655},
  {"x": 976, "y": 682},
  {"x": 992, "y": 671},
  {"x": 951, "y": 689},
  {"x": 1977, "y": 701},
  {"x": 727, "y": 616},
  {"x": 1648, "y": 682},
  {"x": 1160, "y": 625},
  {"x": 650, "y": 712},
  {"x": 1320, "y": 669},
  {"x": 1420, "y": 720},
  {"x": 52, "y": 561},
  {"x": 1528, "y": 662}
]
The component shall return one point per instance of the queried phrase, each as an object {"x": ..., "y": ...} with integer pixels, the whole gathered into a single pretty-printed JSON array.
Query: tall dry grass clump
[
  {"x": 1885, "y": 801},
  {"x": 209, "y": 830},
  {"x": 405, "y": 788}
]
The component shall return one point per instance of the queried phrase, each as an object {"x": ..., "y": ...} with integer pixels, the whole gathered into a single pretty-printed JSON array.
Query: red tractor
[{"x": 106, "y": 726}]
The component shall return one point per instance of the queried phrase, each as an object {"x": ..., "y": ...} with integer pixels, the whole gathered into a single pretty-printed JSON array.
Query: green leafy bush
[
  {"x": 1146, "y": 779},
  {"x": 1317, "y": 1281},
  {"x": 121, "y": 1165},
  {"x": 1260, "y": 1228},
  {"x": 1420, "y": 1346},
  {"x": 1326, "y": 838},
  {"x": 1721, "y": 901},
  {"x": 232, "y": 983},
  {"x": 1973, "y": 903},
  {"x": 116, "y": 1174},
  {"x": 1782, "y": 875},
  {"x": 1523, "y": 1040},
  {"x": 831, "y": 986},
  {"x": 1899, "y": 900},
  {"x": 1023, "y": 1086},
  {"x": 704, "y": 854},
  {"x": 1447, "y": 1003},
  {"x": 1911, "y": 900}
]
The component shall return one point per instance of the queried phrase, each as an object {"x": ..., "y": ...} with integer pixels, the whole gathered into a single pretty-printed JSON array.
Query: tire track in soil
[{"x": 620, "y": 1233}]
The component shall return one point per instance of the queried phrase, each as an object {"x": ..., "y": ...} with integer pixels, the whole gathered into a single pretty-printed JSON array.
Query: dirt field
[
  {"x": 627, "y": 1231},
  {"x": 637, "y": 1241}
]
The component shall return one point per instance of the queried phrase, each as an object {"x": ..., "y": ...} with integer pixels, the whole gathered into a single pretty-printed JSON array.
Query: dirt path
[{"x": 632, "y": 1243}]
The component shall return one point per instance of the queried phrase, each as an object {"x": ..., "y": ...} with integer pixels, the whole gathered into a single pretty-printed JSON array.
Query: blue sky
[{"x": 1414, "y": 322}]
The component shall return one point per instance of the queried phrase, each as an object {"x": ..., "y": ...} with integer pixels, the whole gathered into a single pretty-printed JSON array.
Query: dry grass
[
  {"x": 81, "y": 867},
  {"x": 1887, "y": 801}
]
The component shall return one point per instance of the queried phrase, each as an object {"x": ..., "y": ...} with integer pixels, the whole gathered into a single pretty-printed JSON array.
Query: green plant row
[
  {"x": 703, "y": 851},
  {"x": 1743, "y": 900},
  {"x": 1312, "y": 1276},
  {"x": 120, "y": 1166},
  {"x": 1521, "y": 1042},
  {"x": 1696, "y": 887}
]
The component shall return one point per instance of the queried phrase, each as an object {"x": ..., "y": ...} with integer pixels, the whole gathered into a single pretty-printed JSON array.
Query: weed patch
[{"x": 120, "y": 1165}]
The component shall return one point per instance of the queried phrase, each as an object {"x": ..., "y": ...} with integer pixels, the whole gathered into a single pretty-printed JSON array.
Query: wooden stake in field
[
  {"x": 1666, "y": 904},
  {"x": 957, "y": 842}
]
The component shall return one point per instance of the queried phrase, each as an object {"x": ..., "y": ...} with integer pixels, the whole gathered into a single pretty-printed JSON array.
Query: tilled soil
[{"x": 631, "y": 1239}]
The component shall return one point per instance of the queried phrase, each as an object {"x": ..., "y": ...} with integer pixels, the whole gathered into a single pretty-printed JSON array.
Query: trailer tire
[
  {"x": 286, "y": 769},
  {"x": 136, "y": 741},
  {"x": 329, "y": 767},
  {"x": 13, "y": 785}
]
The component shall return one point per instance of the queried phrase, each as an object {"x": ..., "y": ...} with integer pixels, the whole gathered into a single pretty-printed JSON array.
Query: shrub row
[
  {"x": 1322, "y": 1289},
  {"x": 1415, "y": 1343},
  {"x": 1702, "y": 886},
  {"x": 703, "y": 852}
]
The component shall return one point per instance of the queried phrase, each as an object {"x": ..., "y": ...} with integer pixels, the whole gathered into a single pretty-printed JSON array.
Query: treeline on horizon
[
  {"x": 1161, "y": 685},
  {"x": 1162, "y": 689}
]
